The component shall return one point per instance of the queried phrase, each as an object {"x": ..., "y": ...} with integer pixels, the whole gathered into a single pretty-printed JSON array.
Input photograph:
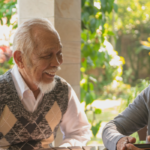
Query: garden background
[{"x": 115, "y": 55}]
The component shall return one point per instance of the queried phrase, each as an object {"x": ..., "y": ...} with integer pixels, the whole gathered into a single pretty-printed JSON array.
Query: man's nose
[{"x": 54, "y": 61}]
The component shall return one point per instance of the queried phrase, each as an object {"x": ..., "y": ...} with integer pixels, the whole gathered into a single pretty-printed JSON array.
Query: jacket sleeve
[{"x": 133, "y": 118}]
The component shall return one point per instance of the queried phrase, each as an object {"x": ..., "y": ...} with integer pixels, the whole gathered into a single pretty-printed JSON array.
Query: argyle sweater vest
[{"x": 23, "y": 130}]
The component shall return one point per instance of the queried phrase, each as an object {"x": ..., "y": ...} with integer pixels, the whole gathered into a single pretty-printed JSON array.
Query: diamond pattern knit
[{"x": 22, "y": 130}]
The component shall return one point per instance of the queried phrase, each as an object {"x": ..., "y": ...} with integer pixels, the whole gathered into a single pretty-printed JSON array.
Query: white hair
[
  {"x": 47, "y": 87},
  {"x": 23, "y": 39}
]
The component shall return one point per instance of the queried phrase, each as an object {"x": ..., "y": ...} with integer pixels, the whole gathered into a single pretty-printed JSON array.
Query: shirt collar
[{"x": 19, "y": 82}]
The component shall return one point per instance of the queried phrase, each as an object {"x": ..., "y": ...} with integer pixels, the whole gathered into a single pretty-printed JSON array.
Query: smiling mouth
[{"x": 51, "y": 74}]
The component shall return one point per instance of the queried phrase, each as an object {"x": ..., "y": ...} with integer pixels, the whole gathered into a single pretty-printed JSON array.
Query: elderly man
[
  {"x": 34, "y": 102},
  {"x": 133, "y": 118}
]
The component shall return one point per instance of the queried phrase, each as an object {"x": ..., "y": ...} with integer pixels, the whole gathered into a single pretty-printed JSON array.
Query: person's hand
[
  {"x": 124, "y": 143},
  {"x": 130, "y": 146}
]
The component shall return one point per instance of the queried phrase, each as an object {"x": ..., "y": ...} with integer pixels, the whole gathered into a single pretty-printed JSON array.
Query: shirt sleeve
[
  {"x": 74, "y": 125},
  {"x": 133, "y": 118}
]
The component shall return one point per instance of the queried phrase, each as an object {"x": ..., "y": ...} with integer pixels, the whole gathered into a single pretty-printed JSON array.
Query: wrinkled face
[{"x": 45, "y": 59}]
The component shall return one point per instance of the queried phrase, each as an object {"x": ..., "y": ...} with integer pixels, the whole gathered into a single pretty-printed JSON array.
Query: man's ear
[{"x": 18, "y": 59}]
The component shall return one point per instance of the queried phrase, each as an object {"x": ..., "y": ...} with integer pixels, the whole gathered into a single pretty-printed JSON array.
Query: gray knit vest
[{"x": 22, "y": 130}]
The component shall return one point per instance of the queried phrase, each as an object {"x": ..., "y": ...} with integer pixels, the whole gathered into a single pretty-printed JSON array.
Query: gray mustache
[{"x": 54, "y": 69}]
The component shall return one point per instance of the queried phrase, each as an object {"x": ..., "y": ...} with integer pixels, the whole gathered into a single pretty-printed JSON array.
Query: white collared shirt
[
  {"x": 74, "y": 125},
  {"x": 25, "y": 94}
]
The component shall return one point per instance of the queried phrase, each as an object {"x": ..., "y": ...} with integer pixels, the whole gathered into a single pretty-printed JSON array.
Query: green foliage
[
  {"x": 7, "y": 10},
  {"x": 95, "y": 128},
  {"x": 131, "y": 13},
  {"x": 10, "y": 61},
  {"x": 94, "y": 54},
  {"x": 6, "y": 66},
  {"x": 98, "y": 111},
  {"x": 131, "y": 25}
]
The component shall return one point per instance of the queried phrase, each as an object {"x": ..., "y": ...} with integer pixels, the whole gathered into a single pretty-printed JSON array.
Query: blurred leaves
[
  {"x": 10, "y": 61},
  {"x": 7, "y": 10},
  {"x": 6, "y": 60},
  {"x": 95, "y": 128},
  {"x": 98, "y": 111},
  {"x": 94, "y": 54}
]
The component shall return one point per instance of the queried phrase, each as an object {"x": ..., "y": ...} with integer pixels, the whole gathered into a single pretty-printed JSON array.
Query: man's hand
[
  {"x": 124, "y": 143},
  {"x": 132, "y": 147}
]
